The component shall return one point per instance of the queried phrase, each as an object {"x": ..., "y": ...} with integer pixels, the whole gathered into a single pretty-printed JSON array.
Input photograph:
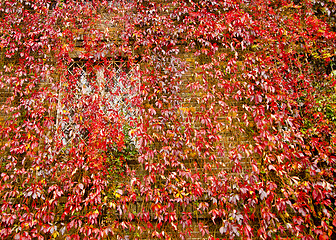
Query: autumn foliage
[{"x": 225, "y": 128}]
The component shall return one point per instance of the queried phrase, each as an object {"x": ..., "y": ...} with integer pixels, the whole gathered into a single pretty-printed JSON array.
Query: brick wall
[{"x": 188, "y": 104}]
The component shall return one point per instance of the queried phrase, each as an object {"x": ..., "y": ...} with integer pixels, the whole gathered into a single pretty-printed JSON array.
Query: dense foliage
[{"x": 225, "y": 128}]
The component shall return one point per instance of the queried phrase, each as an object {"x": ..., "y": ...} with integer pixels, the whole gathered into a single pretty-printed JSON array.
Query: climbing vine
[{"x": 167, "y": 119}]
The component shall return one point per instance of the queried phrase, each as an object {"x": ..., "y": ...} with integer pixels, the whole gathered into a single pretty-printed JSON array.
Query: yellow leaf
[
  {"x": 112, "y": 205},
  {"x": 178, "y": 195},
  {"x": 55, "y": 234},
  {"x": 116, "y": 194}
]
